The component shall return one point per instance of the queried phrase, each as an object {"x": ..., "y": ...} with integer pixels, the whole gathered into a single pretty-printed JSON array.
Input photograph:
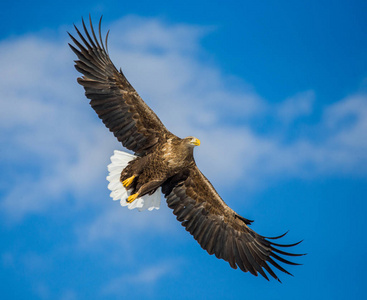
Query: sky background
[{"x": 275, "y": 90}]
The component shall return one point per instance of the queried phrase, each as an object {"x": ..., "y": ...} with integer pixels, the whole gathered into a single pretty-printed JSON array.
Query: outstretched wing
[
  {"x": 218, "y": 229},
  {"x": 113, "y": 98}
]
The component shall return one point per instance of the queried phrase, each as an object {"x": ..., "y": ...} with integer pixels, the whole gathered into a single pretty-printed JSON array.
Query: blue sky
[{"x": 277, "y": 94}]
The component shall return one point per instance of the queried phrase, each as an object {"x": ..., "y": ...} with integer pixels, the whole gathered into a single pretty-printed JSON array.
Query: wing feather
[
  {"x": 218, "y": 229},
  {"x": 113, "y": 98}
]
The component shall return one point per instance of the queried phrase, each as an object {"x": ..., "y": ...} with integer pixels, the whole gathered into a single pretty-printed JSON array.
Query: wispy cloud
[
  {"x": 44, "y": 292},
  {"x": 297, "y": 106},
  {"x": 140, "y": 34},
  {"x": 145, "y": 277},
  {"x": 113, "y": 222}
]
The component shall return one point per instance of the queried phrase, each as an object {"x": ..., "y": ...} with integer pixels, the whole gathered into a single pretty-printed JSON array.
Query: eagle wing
[
  {"x": 113, "y": 98},
  {"x": 218, "y": 229}
]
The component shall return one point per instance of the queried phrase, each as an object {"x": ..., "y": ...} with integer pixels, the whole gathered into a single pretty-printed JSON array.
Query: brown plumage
[{"x": 166, "y": 161}]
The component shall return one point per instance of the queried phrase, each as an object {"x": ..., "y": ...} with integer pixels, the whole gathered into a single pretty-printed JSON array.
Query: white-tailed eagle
[{"x": 165, "y": 163}]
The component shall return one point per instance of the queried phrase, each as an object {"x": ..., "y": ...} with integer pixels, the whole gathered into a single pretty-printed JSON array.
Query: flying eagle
[{"x": 165, "y": 163}]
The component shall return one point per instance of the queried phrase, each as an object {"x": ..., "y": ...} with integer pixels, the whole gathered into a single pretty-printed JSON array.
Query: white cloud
[
  {"x": 43, "y": 291},
  {"x": 114, "y": 221},
  {"x": 145, "y": 277},
  {"x": 140, "y": 34},
  {"x": 297, "y": 106},
  {"x": 347, "y": 120}
]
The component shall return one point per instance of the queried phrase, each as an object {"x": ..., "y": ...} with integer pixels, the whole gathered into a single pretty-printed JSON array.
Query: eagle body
[
  {"x": 163, "y": 162},
  {"x": 153, "y": 168}
]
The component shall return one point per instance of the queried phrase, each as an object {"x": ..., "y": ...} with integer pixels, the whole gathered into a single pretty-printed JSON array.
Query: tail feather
[{"x": 119, "y": 161}]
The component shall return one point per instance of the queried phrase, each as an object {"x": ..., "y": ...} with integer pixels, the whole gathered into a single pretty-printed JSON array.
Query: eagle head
[{"x": 192, "y": 141}]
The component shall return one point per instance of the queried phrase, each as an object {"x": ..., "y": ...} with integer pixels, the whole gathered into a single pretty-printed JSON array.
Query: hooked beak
[{"x": 196, "y": 142}]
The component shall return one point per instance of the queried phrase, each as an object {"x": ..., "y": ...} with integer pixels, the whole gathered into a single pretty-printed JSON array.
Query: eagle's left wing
[{"x": 218, "y": 229}]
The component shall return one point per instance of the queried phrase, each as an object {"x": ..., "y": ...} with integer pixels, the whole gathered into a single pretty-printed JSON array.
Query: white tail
[{"x": 119, "y": 161}]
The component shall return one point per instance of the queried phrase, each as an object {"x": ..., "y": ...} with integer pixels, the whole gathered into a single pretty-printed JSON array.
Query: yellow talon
[
  {"x": 131, "y": 198},
  {"x": 128, "y": 181}
]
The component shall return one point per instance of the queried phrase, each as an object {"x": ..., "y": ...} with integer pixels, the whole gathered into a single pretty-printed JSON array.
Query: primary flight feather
[{"x": 165, "y": 162}]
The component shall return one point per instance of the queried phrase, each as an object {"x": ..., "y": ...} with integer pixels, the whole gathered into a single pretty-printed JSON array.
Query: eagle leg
[
  {"x": 132, "y": 198},
  {"x": 145, "y": 189},
  {"x": 128, "y": 181}
]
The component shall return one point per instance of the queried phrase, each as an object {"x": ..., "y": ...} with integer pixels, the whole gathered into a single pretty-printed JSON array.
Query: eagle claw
[
  {"x": 128, "y": 181},
  {"x": 131, "y": 198}
]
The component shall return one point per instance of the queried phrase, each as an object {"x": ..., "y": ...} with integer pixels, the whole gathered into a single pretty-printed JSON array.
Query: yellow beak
[{"x": 196, "y": 142}]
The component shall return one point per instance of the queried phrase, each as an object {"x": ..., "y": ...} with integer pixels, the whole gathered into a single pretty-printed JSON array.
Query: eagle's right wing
[
  {"x": 113, "y": 98},
  {"x": 218, "y": 229}
]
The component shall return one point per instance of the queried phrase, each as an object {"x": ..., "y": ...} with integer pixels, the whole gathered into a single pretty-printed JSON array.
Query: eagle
[{"x": 164, "y": 163}]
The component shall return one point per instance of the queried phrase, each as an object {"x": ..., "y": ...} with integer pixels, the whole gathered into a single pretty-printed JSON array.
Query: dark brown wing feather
[
  {"x": 218, "y": 229},
  {"x": 113, "y": 98}
]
